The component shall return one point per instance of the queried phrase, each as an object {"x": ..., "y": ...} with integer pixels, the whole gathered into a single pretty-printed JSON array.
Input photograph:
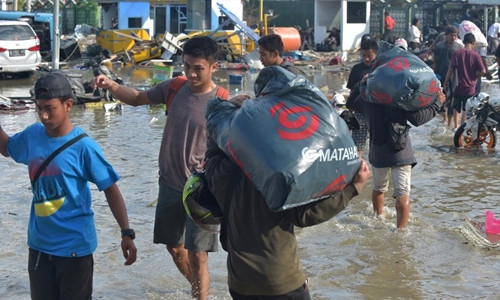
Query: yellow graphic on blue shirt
[
  {"x": 48, "y": 207},
  {"x": 48, "y": 193}
]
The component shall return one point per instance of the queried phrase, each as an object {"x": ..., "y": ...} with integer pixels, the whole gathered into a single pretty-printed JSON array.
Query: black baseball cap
[{"x": 54, "y": 85}]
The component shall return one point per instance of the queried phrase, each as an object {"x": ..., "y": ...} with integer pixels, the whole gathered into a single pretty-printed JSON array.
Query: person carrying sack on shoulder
[
  {"x": 182, "y": 152},
  {"x": 62, "y": 160},
  {"x": 387, "y": 157}
]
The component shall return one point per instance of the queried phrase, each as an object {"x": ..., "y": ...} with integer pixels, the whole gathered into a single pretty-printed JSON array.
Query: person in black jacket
[
  {"x": 384, "y": 158},
  {"x": 262, "y": 247},
  {"x": 369, "y": 48}
]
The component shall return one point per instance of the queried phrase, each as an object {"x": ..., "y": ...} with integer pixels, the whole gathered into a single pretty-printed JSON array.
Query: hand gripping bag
[
  {"x": 400, "y": 79},
  {"x": 289, "y": 141}
]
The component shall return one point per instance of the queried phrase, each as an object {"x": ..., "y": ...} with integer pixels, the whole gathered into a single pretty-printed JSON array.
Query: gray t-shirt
[{"x": 183, "y": 144}]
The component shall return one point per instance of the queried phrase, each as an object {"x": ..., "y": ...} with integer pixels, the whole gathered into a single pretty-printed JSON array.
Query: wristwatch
[{"x": 128, "y": 232}]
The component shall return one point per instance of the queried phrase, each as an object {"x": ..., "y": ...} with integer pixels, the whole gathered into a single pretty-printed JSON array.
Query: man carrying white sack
[{"x": 262, "y": 248}]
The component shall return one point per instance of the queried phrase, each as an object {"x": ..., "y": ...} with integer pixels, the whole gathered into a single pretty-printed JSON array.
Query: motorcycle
[
  {"x": 94, "y": 64},
  {"x": 483, "y": 118},
  {"x": 429, "y": 37}
]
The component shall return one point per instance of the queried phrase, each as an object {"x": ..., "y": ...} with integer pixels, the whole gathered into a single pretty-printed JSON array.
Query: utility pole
[{"x": 57, "y": 36}]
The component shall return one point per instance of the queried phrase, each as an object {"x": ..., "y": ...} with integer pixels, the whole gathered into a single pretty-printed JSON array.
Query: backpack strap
[
  {"x": 178, "y": 82},
  {"x": 222, "y": 93},
  {"x": 54, "y": 154},
  {"x": 173, "y": 88}
]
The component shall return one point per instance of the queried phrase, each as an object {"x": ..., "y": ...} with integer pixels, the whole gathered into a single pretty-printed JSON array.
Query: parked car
[{"x": 19, "y": 48}]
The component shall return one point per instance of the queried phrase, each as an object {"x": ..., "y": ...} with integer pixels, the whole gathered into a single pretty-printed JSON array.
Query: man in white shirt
[{"x": 493, "y": 37}]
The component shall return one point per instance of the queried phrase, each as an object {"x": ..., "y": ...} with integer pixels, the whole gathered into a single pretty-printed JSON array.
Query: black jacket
[
  {"x": 291, "y": 68},
  {"x": 262, "y": 248},
  {"x": 378, "y": 117}
]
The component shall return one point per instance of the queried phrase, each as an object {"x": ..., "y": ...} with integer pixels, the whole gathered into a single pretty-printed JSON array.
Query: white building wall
[
  {"x": 333, "y": 13},
  {"x": 108, "y": 15},
  {"x": 351, "y": 33},
  {"x": 139, "y": 9},
  {"x": 328, "y": 15},
  {"x": 236, "y": 7}
]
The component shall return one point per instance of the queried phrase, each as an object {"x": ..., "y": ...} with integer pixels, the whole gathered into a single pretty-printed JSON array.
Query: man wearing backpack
[{"x": 182, "y": 151}]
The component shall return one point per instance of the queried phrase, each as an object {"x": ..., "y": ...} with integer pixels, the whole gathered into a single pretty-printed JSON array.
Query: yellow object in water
[
  {"x": 145, "y": 53},
  {"x": 229, "y": 38},
  {"x": 121, "y": 39}
]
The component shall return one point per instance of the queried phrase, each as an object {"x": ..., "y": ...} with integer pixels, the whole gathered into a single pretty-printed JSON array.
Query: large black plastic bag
[
  {"x": 289, "y": 141},
  {"x": 400, "y": 79}
]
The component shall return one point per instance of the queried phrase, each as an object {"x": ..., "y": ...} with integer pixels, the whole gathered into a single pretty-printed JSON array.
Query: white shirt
[
  {"x": 494, "y": 30},
  {"x": 415, "y": 34}
]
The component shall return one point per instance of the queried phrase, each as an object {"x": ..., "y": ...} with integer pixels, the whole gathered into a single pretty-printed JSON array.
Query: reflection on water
[{"x": 352, "y": 256}]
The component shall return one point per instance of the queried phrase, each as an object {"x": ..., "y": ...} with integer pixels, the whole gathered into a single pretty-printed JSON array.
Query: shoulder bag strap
[
  {"x": 54, "y": 154},
  {"x": 172, "y": 90},
  {"x": 222, "y": 93}
]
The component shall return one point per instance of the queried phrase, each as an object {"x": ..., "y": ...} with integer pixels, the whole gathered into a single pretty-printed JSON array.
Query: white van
[{"x": 19, "y": 47}]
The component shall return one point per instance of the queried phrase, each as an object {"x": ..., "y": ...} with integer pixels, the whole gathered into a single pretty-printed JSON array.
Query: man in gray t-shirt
[
  {"x": 182, "y": 151},
  {"x": 442, "y": 56}
]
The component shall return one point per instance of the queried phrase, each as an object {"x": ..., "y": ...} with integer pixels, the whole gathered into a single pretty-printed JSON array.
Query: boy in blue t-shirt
[{"x": 61, "y": 230}]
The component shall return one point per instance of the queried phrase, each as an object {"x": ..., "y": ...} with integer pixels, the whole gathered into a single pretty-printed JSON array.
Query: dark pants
[
  {"x": 460, "y": 101},
  {"x": 60, "y": 278},
  {"x": 413, "y": 46},
  {"x": 388, "y": 36},
  {"x": 302, "y": 293}
]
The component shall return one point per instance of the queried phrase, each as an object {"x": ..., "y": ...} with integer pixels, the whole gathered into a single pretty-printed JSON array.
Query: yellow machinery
[
  {"x": 129, "y": 41},
  {"x": 227, "y": 38}
]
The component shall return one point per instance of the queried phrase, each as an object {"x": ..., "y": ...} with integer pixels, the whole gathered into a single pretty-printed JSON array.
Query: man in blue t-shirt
[{"x": 61, "y": 229}]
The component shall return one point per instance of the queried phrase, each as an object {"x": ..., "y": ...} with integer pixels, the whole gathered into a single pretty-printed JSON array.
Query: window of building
[
  {"x": 134, "y": 22},
  {"x": 356, "y": 12}
]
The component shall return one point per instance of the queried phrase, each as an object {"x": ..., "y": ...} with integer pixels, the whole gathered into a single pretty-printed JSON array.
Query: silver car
[{"x": 19, "y": 47}]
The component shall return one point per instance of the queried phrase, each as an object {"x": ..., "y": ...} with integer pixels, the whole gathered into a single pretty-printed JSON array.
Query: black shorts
[
  {"x": 55, "y": 277},
  {"x": 173, "y": 227},
  {"x": 302, "y": 293},
  {"x": 459, "y": 102}
]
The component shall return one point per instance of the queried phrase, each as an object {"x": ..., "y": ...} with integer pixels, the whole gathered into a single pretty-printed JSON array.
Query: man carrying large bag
[
  {"x": 400, "y": 89},
  {"x": 263, "y": 159}
]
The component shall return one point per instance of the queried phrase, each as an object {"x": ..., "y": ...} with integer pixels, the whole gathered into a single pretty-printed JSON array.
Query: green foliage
[{"x": 20, "y": 5}]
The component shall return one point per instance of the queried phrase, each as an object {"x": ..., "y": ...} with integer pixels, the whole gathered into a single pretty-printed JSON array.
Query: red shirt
[{"x": 389, "y": 22}]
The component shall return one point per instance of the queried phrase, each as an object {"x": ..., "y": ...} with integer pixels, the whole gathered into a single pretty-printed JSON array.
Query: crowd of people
[
  {"x": 460, "y": 76},
  {"x": 262, "y": 261}
]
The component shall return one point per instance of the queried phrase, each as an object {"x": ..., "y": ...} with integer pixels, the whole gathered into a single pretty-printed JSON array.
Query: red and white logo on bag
[
  {"x": 295, "y": 123},
  {"x": 427, "y": 99},
  {"x": 398, "y": 64}
]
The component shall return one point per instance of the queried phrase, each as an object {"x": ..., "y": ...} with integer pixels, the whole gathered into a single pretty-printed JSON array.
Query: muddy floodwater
[{"x": 352, "y": 256}]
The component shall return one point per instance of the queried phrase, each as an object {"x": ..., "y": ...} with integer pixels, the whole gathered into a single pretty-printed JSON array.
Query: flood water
[{"x": 352, "y": 256}]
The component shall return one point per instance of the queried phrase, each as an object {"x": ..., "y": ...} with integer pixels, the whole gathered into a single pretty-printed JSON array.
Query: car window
[{"x": 16, "y": 33}]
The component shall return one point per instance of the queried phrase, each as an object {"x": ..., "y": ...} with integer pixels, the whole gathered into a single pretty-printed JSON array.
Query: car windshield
[{"x": 15, "y": 33}]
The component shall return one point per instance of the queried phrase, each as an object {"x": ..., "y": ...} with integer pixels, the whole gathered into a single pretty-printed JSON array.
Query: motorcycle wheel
[{"x": 464, "y": 139}]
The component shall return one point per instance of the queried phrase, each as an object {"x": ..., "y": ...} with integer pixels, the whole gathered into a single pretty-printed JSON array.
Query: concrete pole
[
  {"x": 28, "y": 5},
  {"x": 57, "y": 36}
]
